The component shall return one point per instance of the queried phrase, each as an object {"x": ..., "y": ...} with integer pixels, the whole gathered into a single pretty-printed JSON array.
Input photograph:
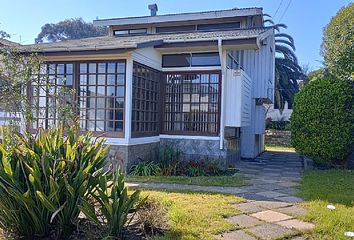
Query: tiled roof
[
  {"x": 132, "y": 42},
  {"x": 7, "y": 43}
]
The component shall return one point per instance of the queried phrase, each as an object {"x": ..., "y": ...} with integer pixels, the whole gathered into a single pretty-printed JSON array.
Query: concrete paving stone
[
  {"x": 295, "y": 211},
  {"x": 271, "y": 216},
  {"x": 271, "y": 194},
  {"x": 244, "y": 221},
  {"x": 297, "y": 225},
  {"x": 236, "y": 235},
  {"x": 288, "y": 191},
  {"x": 289, "y": 199},
  {"x": 271, "y": 232},
  {"x": 248, "y": 207},
  {"x": 272, "y": 204},
  {"x": 254, "y": 196}
]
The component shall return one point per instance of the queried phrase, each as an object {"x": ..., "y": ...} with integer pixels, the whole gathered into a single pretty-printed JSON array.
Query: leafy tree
[
  {"x": 4, "y": 34},
  {"x": 319, "y": 74},
  {"x": 338, "y": 43},
  {"x": 287, "y": 69},
  {"x": 74, "y": 28},
  {"x": 322, "y": 123}
]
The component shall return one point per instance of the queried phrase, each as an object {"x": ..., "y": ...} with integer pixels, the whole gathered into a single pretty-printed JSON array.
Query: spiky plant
[{"x": 287, "y": 69}]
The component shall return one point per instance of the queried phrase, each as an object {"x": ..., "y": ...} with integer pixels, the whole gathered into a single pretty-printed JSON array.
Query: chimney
[{"x": 153, "y": 9}]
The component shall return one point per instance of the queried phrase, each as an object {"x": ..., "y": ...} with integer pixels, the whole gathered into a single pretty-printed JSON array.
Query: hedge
[{"x": 322, "y": 122}]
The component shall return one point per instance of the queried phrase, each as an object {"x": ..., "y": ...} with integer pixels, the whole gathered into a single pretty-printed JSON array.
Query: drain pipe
[{"x": 222, "y": 111}]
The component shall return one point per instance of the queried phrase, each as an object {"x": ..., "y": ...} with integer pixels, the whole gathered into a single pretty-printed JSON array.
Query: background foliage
[
  {"x": 322, "y": 122},
  {"x": 74, "y": 28},
  {"x": 338, "y": 43}
]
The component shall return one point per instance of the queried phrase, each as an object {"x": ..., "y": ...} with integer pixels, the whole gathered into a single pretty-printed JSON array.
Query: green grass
[
  {"x": 320, "y": 188},
  {"x": 276, "y": 147},
  {"x": 225, "y": 181},
  {"x": 194, "y": 215}
]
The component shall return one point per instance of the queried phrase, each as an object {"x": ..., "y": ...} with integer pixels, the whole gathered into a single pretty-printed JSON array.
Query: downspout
[{"x": 222, "y": 111}]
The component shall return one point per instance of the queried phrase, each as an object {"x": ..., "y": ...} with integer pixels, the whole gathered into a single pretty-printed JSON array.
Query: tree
[
  {"x": 287, "y": 69},
  {"x": 74, "y": 28},
  {"x": 338, "y": 43},
  {"x": 4, "y": 34},
  {"x": 322, "y": 123}
]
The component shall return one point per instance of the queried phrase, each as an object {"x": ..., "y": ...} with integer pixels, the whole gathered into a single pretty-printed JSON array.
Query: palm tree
[{"x": 287, "y": 69}]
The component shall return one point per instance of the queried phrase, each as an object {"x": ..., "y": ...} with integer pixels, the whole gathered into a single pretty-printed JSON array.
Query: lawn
[
  {"x": 320, "y": 188},
  {"x": 275, "y": 147},
  {"x": 225, "y": 181},
  {"x": 194, "y": 215}
]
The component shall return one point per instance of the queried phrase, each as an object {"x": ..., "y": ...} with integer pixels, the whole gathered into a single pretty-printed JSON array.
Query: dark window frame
[
  {"x": 217, "y": 113},
  {"x": 133, "y": 31},
  {"x": 76, "y": 95},
  {"x": 146, "y": 99},
  {"x": 191, "y": 57}
]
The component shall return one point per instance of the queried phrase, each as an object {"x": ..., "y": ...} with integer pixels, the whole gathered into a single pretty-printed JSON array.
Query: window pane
[
  {"x": 170, "y": 29},
  {"x": 176, "y": 60},
  {"x": 205, "y": 59},
  {"x": 219, "y": 26}
]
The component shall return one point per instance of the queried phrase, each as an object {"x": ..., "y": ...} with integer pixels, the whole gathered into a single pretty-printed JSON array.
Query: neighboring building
[
  {"x": 196, "y": 80},
  {"x": 276, "y": 115}
]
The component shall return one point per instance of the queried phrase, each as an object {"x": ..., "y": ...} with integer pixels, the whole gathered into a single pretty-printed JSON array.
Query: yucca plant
[
  {"x": 44, "y": 178},
  {"x": 113, "y": 202}
]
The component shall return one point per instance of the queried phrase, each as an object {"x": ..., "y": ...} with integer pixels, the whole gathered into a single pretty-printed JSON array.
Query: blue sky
[{"x": 305, "y": 18}]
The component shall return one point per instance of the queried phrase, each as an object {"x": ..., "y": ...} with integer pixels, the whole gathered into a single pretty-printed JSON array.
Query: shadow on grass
[{"x": 334, "y": 186}]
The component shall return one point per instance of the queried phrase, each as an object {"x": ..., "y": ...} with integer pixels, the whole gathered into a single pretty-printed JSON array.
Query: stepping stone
[
  {"x": 271, "y": 194},
  {"x": 271, "y": 204},
  {"x": 295, "y": 211},
  {"x": 271, "y": 216},
  {"x": 236, "y": 235},
  {"x": 244, "y": 221},
  {"x": 271, "y": 232},
  {"x": 248, "y": 207},
  {"x": 297, "y": 224},
  {"x": 288, "y": 184},
  {"x": 289, "y": 199}
]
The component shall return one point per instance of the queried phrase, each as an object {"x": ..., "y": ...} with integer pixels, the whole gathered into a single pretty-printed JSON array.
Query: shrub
[
  {"x": 143, "y": 168},
  {"x": 195, "y": 171},
  {"x": 169, "y": 160},
  {"x": 322, "y": 122},
  {"x": 113, "y": 203},
  {"x": 278, "y": 125},
  {"x": 44, "y": 178}
]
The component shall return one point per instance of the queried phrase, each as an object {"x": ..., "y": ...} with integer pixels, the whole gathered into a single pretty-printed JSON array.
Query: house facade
[{"x": 198, "y": 81}]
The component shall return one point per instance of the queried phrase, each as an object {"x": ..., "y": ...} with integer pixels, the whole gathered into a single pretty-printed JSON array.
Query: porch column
[{"x": 128, "y": 99}]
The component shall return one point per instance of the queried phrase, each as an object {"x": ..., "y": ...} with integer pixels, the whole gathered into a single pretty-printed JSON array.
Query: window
[
  {"x": 130, "y": 31},
  {"x": 205, "y": 59},
  {"x": 101, "y": 96},
  {"x": 97, "y": 93},
  {"x": 53, "y": 87},
  {"x": 176, "y": 60},
  {"x": 146, "y": 88},
  {"x": 191, "y": 60},
  {"x": 191, "y": 103},
  {"x": 172, "y": 29},
  {"x": 219, "y": 26}
]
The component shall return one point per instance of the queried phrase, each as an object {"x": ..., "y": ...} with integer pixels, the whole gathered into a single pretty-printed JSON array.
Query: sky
[{"x": 305, "y": 19}]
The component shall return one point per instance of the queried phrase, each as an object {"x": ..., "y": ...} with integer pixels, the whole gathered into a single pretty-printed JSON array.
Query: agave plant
[
  {"x": 44, "y": 179},
  {"x": 287, "y": 69}
]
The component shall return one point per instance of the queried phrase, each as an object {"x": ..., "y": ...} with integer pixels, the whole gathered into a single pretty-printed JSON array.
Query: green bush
[
  {"x": 113, "y": 202},
  {"x": 44, "y": 178},
  {"x": 322, "y": 122},
  {"x": 278, "y": 125},
  {"x": 144, "y": 168}
]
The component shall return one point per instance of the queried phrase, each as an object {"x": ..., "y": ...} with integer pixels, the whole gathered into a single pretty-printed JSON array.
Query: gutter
[{"x": 222, "y": 111}]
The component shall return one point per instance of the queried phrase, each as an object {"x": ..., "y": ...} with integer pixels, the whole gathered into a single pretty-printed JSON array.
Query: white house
[{"x": 196, "y": 80}]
